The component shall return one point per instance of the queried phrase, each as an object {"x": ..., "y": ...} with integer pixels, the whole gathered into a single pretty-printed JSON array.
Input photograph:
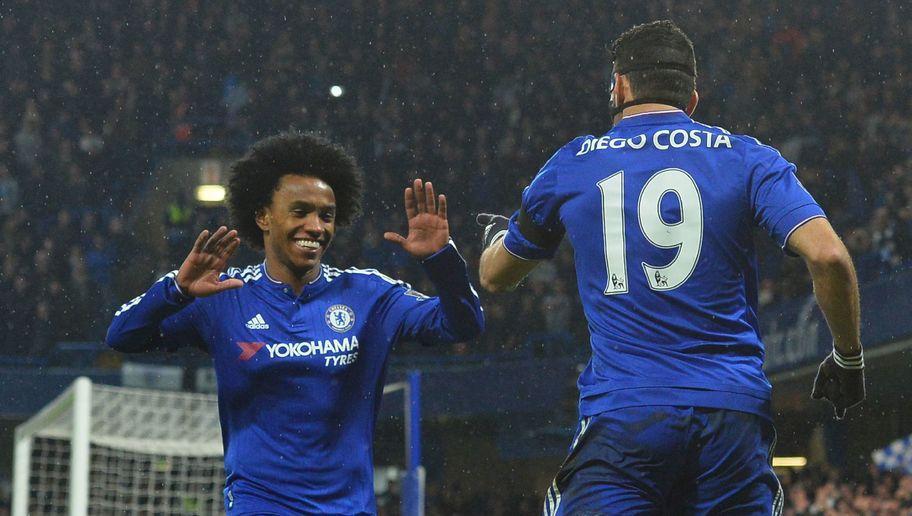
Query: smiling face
[{"x": 298, "y": 227}]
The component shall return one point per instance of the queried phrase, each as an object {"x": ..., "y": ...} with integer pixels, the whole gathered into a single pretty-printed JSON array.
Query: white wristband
[{"x": 852, "y": 362}]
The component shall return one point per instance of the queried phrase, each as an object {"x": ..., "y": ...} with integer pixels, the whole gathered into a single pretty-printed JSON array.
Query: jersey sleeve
[
  {"x": 455, "y": 315},
  {"x": 779, "y": 202},
  {"x": 160, "y": 319},
  {"x": 535, "y": 230}
]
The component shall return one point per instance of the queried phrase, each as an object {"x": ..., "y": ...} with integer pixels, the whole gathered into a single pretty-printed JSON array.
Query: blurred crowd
[
  {"x": 472, "y": 95},
  {"x": 826, "y": 492}
]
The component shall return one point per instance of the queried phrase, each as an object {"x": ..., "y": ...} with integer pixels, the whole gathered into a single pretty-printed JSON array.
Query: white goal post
[{"x": 100, "y": 449}]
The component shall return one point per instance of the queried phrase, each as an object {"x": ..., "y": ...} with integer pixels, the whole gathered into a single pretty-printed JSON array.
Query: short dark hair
[
  {"x": 255, "y": 177},
  {"x": 658, "y": 59}
]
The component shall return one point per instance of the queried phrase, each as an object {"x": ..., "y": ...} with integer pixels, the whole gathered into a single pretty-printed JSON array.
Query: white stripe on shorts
[{"x": 553, "y": 497}]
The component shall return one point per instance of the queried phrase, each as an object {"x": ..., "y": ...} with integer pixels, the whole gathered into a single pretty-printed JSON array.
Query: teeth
[{"x": 309, "y": 244}]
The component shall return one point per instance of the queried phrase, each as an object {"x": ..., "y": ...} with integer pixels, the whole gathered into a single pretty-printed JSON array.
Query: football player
[
  {"x": 300, "y": 348},
  {"x": 660, "y": 212}
]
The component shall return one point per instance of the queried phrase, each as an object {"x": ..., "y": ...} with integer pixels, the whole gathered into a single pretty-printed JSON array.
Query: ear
[
  {"x": 614, "y": 90},
  {"x": 692, "y": 105},
  {"x": 622, "y": 92},
  {"x": 263, "y": 219}
]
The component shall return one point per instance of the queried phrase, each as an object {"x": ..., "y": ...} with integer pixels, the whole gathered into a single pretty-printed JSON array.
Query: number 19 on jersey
[{"x": 686, "y": 235}]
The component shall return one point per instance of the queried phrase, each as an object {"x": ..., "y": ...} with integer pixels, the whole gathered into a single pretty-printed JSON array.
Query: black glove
[
  {"x": 495, "y": 227},
  {"x": 841, "y": 380}
]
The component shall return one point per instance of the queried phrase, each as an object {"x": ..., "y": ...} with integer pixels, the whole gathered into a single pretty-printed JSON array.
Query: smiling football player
[{"x": 300, "y": 348}]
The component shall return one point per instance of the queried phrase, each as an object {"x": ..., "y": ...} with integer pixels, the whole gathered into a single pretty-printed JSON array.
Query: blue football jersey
[
  {"x": 300, "y": 378},
  {"x": 660, "y": 212}
]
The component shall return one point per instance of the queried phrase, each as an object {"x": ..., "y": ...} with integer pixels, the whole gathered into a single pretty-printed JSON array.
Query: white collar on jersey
[
  {"x": 277, "y": 282},
  {"x": 664, "y": 111}
]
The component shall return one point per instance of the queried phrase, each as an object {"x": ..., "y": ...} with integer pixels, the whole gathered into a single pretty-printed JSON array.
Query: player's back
[{"x": 660, "y": 212}]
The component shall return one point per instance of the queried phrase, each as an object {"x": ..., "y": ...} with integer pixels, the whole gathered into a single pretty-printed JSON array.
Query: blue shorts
[{"x": 668, "y": 460}]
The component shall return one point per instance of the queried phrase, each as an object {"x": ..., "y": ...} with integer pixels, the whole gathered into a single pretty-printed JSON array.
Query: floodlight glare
[
  {"x": 789, "y": 462},
  {"x": 210, "y": 193}
]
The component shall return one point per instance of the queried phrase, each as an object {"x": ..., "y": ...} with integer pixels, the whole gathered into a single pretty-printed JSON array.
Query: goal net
[{"x": 99, "y": 449}]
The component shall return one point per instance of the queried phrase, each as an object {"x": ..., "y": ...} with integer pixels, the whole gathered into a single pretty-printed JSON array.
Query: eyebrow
[{"x": 310, "y": 205}]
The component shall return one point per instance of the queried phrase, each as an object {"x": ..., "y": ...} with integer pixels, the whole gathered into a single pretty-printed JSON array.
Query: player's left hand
[
  {"x": 428, "y": 229},
  {"x": 843, "y": 387}
]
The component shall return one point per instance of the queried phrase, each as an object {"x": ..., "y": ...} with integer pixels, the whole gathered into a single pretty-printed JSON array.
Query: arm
[
  {"x": 514, "y": 246},
  {"x": 459, "y": 316},
  {"x": 163, "y": 317},
  {"x": 499, "y": 270},
  {"x": 784, "y": 207},
  {"x": 136, "y": 326},
  {"x": 455, "y": 315},
  {"x": 840, "y": 377},
  {"x": 835, "y": 283}
]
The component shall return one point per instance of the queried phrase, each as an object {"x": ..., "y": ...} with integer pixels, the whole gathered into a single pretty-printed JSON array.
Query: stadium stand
[
  {"x": 95, "y": 97},
  {"x": 93, "y": 100}
]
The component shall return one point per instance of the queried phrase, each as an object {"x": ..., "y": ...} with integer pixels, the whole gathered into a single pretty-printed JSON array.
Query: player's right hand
[
  {"x": 841, "y": 383},
  {"x": 496, "y": 227},
  {"x": 199, "y": 274}
]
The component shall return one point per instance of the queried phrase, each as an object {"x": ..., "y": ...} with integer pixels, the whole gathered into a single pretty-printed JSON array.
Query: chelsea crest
[{"x": 340, "y": 318}]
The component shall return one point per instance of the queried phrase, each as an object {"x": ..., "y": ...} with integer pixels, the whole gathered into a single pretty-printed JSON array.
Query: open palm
[
  {"x": 199, "y": 274},
  {"x": 428, "y": 229}
]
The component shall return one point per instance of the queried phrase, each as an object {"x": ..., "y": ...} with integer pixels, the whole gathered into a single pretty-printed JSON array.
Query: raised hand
[
  {"x": 428, "y": 230},
  {"x": 199, "y": 274}
]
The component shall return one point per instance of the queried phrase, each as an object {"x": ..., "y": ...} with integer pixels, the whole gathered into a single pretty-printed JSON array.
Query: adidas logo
[{"x": 257, "y": 323}]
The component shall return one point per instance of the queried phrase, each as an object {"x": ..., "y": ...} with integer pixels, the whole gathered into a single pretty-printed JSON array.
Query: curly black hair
[
  {"x": 659, "y": 60},
  {"x": 255, "y": 177}
]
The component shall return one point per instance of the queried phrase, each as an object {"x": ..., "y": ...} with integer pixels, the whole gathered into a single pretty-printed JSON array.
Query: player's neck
[
  {"x": 297, "y": 281},
  {"x": 647, "y": 108}
]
